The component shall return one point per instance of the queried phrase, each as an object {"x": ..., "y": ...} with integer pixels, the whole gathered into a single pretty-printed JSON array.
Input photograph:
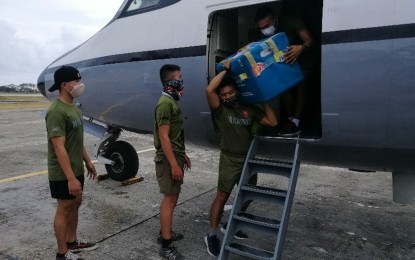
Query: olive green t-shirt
[
  {"x": 235, "y": 127},
  {"x": 65, "y": 120},
  {"x": 168, "y": 113}
]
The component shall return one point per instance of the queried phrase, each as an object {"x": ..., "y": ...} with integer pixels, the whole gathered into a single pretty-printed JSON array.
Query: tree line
[{"x": 22, "y": 88}]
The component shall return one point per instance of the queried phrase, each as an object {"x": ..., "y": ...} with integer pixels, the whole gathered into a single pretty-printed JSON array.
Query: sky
[{"x": 34, "y": 33}]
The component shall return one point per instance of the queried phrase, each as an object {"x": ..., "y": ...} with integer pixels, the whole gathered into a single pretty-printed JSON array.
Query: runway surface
[{"x": 336, "y": 214}]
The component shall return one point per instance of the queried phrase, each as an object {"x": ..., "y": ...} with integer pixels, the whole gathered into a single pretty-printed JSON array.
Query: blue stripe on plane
[
  {"x": 183, "y": 52},
  {"x": 370, "y": 34}
]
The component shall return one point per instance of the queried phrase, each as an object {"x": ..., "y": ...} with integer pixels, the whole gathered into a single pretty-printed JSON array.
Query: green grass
[
  {"x": 31, "y": 105},
  {"x": 22, "y": 98},
  {"x": 23, "y": 102}
]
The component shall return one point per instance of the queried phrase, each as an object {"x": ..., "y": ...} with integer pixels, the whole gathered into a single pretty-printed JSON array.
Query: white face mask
[
  {"x": 269, "y": 30},
  {"x": 77, "y": 90}
]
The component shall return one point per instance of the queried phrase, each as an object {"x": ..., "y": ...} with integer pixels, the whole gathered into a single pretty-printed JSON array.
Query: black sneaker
[
  {"x": 170, "y": 252},
  {"x": 238, "y": 235},
  {"x": 223, "y": 227},
  {"x": 212, "y": 245},
  {"x": 174, "y": 236},
  {"x": 289, "y": 129},
  {"x": 69, "y": 256},
  {"x": 271, "y": 131},
  {"x": 81, "y": 245}
]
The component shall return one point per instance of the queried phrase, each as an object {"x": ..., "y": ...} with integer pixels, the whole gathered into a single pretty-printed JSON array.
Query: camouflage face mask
[
  {"x": 173, "y": 87},
  {"x": 177, "y": 84}
]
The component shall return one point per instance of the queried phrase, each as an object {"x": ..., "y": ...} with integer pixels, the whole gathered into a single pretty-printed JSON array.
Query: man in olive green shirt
[
  {"x": 301, "y": 42},
  {"x": 66, "y": 154},
  {"x": 171, "y": 159},
  {"x": 235, "y": 121}
]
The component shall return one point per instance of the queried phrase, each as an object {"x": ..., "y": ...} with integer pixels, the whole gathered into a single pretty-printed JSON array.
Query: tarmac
[{"x": 336, "y": 214}]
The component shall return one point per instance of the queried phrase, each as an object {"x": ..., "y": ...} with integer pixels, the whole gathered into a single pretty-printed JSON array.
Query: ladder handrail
[{"x": 288, "y": 201}]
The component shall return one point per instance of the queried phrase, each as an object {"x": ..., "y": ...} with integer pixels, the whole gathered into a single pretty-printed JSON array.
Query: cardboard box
[{"x": 260, "y": 71}]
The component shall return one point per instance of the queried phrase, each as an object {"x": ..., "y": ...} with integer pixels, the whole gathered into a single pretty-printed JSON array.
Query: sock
[
  {"x": 60, "y": 255},
  {"x": 166, "y": 242},
  {"x": 170, "y": 231},
  {"x": 296, "y": 121},
  {"x": 71, "y": 243},
  {"x": 213, "y": 232}
]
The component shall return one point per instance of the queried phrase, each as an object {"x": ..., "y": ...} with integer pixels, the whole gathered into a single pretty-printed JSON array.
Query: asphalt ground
[{"x": 336, "y": 214}]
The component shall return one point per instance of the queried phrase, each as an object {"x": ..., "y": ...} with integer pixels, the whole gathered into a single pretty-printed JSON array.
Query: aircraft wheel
[{"x": 125, "y": 161}]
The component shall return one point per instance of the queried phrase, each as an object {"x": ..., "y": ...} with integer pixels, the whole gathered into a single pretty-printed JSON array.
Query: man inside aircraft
[
  {"x": 301, "y": 41},
  {"x": 171, "y": 159},
  {"x": 235, "y": 121},
  {"x": 66, "y": 154}
]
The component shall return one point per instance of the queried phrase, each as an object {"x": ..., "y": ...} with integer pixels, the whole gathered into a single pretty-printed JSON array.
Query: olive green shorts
[
  {"x": 164, "y": 177},
  {"x": 230, "y": 169}
]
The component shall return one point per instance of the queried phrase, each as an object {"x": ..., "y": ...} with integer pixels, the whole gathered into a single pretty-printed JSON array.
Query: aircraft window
[
  {"x": 141, "y": 4},
  {"x": 135, "y": 7}
]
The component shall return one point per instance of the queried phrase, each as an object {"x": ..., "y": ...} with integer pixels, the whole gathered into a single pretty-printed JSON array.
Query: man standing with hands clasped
[{"x": 66, "y": 154}]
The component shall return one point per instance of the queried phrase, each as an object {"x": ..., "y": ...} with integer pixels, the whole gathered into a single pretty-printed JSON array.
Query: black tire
[{"x": 125, "y": 161}]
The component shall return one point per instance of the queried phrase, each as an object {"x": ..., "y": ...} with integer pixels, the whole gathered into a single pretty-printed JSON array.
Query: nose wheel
[{"x": 125, "y": 161}]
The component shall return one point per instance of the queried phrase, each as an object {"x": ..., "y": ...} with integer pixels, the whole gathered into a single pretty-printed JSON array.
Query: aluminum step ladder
[{"x": 262, "y": 159}]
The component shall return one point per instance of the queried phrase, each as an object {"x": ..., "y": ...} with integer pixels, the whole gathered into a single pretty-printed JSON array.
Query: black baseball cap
[{"x": 64, "y": 74}]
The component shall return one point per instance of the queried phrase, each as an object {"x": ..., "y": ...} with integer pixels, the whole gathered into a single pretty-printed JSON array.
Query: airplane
[{"x": 361, "y": 108}]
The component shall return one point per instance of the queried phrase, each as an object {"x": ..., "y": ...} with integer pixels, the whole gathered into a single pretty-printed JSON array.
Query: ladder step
[
  {"x": 248, "y": 251},
  {"x": 264, "y": 190},
  {"x": 277, "y": 138},
  {"x": 257, "y": 220},
  {"x": 269, "y": 166},
  {"x": 270, "y": 162}
]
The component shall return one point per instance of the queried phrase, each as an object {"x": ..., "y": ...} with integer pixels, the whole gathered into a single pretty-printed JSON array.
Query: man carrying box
[
  {"x": 235, "y": 121},
  {"x": 300, "y": 40}
]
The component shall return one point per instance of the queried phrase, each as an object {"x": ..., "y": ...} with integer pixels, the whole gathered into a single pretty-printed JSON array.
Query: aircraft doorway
[{"x": 231, "y": 29}]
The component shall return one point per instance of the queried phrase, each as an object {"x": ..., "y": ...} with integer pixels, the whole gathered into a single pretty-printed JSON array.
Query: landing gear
[
  {"x": 120, "y": 158},
  {"x": 124, "y": 158}
]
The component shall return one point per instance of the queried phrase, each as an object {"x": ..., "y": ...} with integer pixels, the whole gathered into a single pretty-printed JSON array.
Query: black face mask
[
  {"x": 173, "y": 87},
  {"x": 230, "y": 102}
]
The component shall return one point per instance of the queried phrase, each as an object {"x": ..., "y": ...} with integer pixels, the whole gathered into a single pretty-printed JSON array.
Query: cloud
[
  {"x": 23, "y": 59},
  {"x": 34, "y": 33},
  {"x": 19, "y": 55}
]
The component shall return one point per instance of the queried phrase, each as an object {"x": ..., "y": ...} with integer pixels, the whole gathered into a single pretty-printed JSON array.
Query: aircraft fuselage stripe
[
  {"x": 344, "y": 36},
  {"x": 175, "y": 53},
  {"x": 370, "y": 34}
]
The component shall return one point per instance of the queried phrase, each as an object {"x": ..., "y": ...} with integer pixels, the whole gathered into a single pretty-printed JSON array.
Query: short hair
[
  {"x": 166, "y": 69},
  {"x": 263, "y": 12},
  {"x": 226, "y": 82}
]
